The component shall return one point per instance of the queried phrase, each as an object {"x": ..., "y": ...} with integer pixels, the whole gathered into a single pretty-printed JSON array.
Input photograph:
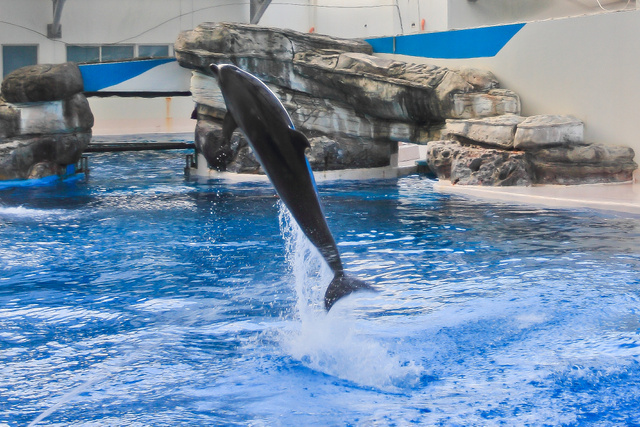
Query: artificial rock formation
[
  {"x": 44, "y": 82},
  {"x": 45, "y": 121},
  {"x": 353, "y": 106},
  {"x": 514, "y": 150}
]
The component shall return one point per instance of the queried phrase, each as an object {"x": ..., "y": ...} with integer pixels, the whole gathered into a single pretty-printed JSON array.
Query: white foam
[
  {"x": 333, "y": 343},
  {"x": 21, "y": 211}
]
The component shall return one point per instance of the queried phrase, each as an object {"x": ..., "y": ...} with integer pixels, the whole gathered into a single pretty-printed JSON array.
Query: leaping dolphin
[{"x": 279, "y": 147}]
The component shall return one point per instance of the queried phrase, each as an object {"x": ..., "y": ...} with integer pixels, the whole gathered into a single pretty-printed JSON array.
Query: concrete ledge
[
  {"x": 323, "y": 176},
  {"x": 622, "y": 197},
  {"x": 202, "y": 172}
]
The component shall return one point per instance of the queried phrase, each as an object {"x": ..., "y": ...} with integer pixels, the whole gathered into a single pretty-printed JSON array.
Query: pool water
[{"x": 137, "y": 297}]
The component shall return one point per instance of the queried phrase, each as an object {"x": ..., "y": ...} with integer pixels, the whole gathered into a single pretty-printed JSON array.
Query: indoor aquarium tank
[{"x": 139, "y": 297}]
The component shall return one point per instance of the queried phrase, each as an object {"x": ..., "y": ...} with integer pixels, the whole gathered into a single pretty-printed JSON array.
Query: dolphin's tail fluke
[{"x": 342, "y": 286}]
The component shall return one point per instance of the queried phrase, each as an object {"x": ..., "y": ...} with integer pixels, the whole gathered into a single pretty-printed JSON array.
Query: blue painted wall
[
  {"x": 103, "y": 75},
  {"x": 457, "y": 44}
]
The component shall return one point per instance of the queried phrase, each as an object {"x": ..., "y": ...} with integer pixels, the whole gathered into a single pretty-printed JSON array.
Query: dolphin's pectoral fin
[
  {"x": 228, "y": 126},
  {"x": 299, "y": 140},
  {"x": 342, "y": 286},
  {"x": 219, "y": 152}
]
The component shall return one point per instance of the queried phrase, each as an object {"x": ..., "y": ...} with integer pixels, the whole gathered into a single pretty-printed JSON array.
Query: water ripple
[{"x": 139, "y": 298}]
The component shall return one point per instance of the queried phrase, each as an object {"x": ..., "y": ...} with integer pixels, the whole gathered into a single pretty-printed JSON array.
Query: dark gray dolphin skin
[{"x": 252, "y": 107}]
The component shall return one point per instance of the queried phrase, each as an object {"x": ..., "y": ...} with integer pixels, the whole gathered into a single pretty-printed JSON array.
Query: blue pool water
[{"x": 139, "y": 298}]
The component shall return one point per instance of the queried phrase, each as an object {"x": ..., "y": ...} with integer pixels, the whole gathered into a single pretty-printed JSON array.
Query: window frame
[
  {"x": 84, "y": 46},
  {"x": 164, "y": 45},
  {"x": 30, "y": 45},
  {"x": 136, "y": 51}
]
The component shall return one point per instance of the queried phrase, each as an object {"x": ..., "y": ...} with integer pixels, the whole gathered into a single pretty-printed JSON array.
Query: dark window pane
[
  {"x": 83, "y": 53},
  {"x": 114, "y": 53},
  {"x": 14, "y": 57},
  {"x": 153, "y": 51}
]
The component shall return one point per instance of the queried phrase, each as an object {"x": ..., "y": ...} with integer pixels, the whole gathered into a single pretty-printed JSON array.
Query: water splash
[
  {"x": 334, "y": 343},
  {"x": 22, "y": 212}
]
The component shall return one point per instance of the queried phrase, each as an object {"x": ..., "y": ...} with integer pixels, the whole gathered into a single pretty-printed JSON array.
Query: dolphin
[{"x": 279, "y": 147}]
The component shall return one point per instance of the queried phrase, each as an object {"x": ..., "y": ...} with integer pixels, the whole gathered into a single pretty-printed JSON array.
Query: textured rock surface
[
  {"x": 313, "y": 114},
  {"x": 265, "y": 52},
  {"x": 584, "y": 164},
  {"x": 9, "y": 119},
  {"x": 44, "y": 82},
  {"x": 548, "y": 131},
  {"x": 339, "y": 152},
  {"x": 355, "y": 108},
  {"x": 440, "y": 156},
  {"x": 382, "y": 88},
  {"x": 397, "y": 90},
  {"x": 482, "y": 80},
  {"x": 496, "y": 131},
  {"x": 334, "y": 89},
  {"x": 587, "y": 164},
  {"x": 43, "y": 169},
  {"x": 218, "y": 40},
  {"x": 492, "y": 103},
  {"x": 18, "y": 156},
  {"x": 68, "y": 115},
  {"x": 50, "y": 124},
  {"x": 478, "y": 166},
  {"x": 467, "y": 165},
  {"x": 326, "y": 153}
]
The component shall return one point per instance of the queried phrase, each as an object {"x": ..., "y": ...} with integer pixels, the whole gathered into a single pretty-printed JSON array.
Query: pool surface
[{"x": 139, "y": 298}]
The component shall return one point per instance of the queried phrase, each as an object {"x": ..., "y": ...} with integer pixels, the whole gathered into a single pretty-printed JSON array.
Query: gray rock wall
[
  {"x": 45, "y": 121},
  {"x": 514, "y": 150},
  {"x": 355, "y": 107}
]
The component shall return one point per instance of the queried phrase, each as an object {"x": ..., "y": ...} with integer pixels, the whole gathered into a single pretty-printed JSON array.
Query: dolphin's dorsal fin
[
  {"x": 299, "y": 140},
  {"x": 228, "y": 126}
]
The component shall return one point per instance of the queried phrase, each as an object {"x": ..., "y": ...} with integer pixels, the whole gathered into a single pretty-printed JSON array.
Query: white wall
[
  {"x": 469, "y": 14},
  {"x": 109, "y": 21},
  {"x": 586, "y": 67},
  {"x": 373, "y": 18},
  {"x": 299, "y": 15},
  {"x": 349, "y": 19},
  {"x": 436, "y": 15},
  {"x": 123, "y": 116},
  {"x": 142, "y": 21},
  {"x": 25, "y": 22}
]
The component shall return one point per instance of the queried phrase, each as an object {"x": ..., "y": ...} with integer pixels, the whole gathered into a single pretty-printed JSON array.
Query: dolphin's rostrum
[{"x": 279, "y": 147}]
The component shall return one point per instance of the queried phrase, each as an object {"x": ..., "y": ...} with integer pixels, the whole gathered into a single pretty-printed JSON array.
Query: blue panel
[
  {"x": 70, "y": 175},
  {"x": 17, "y": 183},
  {"x": 457, "y": 44},
  {"x": 99, "y": 76}
]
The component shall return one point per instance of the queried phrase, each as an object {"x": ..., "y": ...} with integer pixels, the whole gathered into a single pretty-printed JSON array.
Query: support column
[
  {"x": 257, "y": 9},
  {"x": 54, "y": 30}
]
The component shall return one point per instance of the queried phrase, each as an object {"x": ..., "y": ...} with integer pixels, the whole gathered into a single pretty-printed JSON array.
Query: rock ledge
[
  {"x": 45, "y": 121},
  {"x": 356, "y": 107}
]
